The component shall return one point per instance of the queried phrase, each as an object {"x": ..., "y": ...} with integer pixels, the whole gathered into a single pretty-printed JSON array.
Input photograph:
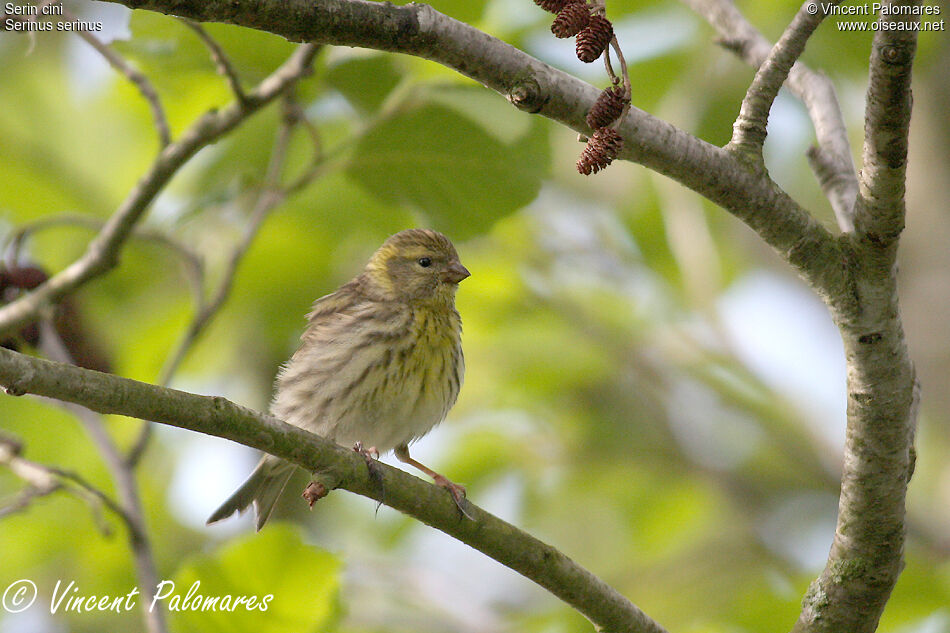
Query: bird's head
[{"x": 418, "y": 265}]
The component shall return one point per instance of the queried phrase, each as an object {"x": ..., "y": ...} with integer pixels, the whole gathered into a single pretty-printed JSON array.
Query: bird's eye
[{"x": 425, "y": 262}]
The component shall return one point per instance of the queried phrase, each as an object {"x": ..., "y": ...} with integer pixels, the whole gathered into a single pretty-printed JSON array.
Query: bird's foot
[
  {"x": 370, "y": 454},
  {"x": 367, "y": 453},
  {"x": 456, "y": 490}
]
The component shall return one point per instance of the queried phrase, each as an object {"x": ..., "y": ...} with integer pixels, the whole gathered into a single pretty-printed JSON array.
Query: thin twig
[
  {"x": 267, "y": 199},
  {"x": 294, "y": 110},
  {"x": 23, "y": 500},
  {"x": 43, "y": 480},
  {"x": 614, "y": 79},
  {"x": 319, "y": 160},
  {"x": 221, "y": 62},
  {"x": 628, "y": 87},
  {"x": 132, "y": 74}
]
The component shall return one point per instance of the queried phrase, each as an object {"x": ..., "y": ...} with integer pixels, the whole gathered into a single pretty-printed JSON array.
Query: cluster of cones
[
  {"x": 574, "y": 18},
  {"x": 593, "y": 32},
  {"x": 605, "y": 143}
]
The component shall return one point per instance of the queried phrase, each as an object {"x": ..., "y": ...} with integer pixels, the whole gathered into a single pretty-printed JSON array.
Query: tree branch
[
  {"x": 537, "y": 561},
  {"x": 831, "y": 159},
  {"x": 103, "y": 251},
  {"x": 221, "y": 62},
  {"x": 749, "y": 130}
]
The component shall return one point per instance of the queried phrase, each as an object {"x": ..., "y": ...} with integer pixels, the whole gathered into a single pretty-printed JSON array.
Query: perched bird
[{"x": 379, "y": 365}]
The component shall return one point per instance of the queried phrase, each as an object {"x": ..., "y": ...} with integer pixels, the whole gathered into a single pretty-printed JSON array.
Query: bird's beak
[{"x": 455, "y": 273}]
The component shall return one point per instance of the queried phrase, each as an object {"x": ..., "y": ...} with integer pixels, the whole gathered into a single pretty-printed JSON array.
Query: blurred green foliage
[
  {"x": 607, "y": 407},
  {"x": 303, "y": 583}
]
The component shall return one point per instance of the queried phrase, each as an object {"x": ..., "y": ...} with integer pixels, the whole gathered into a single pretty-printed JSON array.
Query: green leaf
[
  {"x": 488, "y": 109},
  {"x": 364, "y": 80},
  {"x": 440, "y": 162},
  {"x": 295, "y": 584}
]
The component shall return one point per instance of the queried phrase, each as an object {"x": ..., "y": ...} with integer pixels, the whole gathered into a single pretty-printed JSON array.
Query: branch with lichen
[{"x": 883, "y": 394}]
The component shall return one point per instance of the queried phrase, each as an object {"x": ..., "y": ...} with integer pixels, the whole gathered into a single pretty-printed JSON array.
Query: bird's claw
[
  {"x": 456, "y": 490},
  {"x": 370, "y": 454}
]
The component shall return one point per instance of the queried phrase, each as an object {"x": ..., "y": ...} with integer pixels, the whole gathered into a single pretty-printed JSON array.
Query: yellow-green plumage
[{"x": 380, "y": 362}]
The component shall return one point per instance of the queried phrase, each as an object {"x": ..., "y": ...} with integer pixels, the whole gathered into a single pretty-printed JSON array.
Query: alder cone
[
  {"x": 607, "y": 108},
  {"x": 553, "y": 6},
  {"x": 593, "y": 40},
  {"x": 21, "y": 278},
  {"x": 571, "y": 20},
  {"x": 84, "y": 348},
  {"x": 601, "y": 149},
  {"x": 24, "y": 277}
]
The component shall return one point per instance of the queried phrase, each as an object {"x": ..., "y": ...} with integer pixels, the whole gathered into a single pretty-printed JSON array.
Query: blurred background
[{"x": 648, "y": 387}]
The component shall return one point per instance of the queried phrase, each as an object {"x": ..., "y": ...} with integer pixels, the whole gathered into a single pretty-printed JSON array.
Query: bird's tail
[{"x": 261, "y": 489}]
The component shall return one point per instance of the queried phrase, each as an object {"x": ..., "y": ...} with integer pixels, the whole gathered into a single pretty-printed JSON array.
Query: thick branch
[
  {"x": 880, "y": 210},
  {"x": 543, "y": 564},
  {"x": 750, "y": 128},
  {"x": 867, "y": 554},
  {"x": 103, "y": 251}
]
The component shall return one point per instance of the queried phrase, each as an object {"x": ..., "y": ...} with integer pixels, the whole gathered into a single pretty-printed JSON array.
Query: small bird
[{"x": 379, "y": 365}]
